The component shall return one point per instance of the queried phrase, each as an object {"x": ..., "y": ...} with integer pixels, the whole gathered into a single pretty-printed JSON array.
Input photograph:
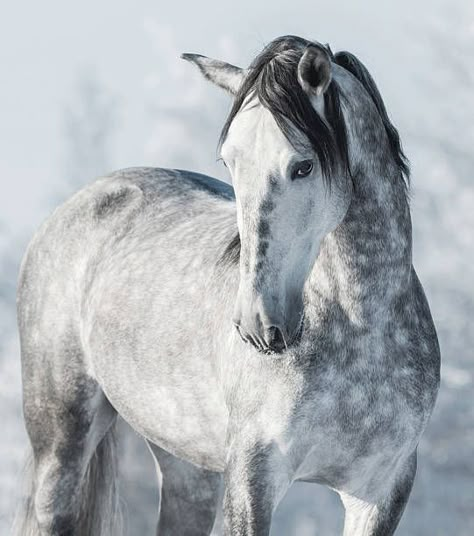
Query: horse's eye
[{"x": 302, "y": 169}]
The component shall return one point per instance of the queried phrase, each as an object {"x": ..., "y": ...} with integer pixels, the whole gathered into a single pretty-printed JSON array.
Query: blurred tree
[{"x": 88, "y": 123}]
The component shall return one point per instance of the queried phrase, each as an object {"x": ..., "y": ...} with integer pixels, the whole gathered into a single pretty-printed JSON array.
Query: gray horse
[{"x": 254, "y": 336}]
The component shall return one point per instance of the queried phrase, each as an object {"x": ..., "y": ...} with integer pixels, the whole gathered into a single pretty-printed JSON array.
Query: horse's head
[{"x": 285, "y": 146}]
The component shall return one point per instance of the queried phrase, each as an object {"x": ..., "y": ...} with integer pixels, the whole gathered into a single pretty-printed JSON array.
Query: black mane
[
  {"x": 352, "y": 64},
  {"x": 273, "y": 80}
]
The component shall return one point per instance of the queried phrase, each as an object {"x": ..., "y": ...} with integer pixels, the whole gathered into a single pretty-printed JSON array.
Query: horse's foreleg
[
  {"x": 380, "y": 517},
  {"x": 256, "y": 479},
  {"x": 189, "y": 496}
]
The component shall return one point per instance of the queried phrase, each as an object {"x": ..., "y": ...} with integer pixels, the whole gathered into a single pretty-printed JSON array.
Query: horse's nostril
[
  {"x": 275, "y": 339},
  {"x": 239, "y": 331}
]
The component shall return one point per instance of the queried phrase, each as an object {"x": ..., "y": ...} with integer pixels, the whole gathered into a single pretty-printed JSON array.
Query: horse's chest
[
  {"x": 382, "y": 402},
  {"x": 363, "y": 418}
]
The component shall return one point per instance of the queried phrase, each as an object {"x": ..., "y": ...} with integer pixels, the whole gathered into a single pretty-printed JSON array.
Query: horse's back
[{"x": 103, "y": 213}]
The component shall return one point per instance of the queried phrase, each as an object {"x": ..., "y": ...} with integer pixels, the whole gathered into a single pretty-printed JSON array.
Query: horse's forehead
[{"x": 254, "y": 134}]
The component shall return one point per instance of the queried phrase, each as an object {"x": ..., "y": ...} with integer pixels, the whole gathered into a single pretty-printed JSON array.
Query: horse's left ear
[
  {"x": 314, "y": 70},
  {"x": 224, "y": 75}
]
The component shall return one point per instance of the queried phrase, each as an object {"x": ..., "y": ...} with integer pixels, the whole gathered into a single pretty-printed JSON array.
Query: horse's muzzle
[{"x": 272, "y": 340}]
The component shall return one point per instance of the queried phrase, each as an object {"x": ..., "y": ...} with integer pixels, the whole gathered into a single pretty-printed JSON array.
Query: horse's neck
[{"x": 365, "y": 264}]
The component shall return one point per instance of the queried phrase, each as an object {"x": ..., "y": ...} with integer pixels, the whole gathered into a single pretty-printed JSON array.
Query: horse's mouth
[{"x": 279, "y": 345}]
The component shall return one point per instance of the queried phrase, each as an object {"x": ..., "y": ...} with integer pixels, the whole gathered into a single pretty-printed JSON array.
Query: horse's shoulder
[{"x": 111, "y": 204}]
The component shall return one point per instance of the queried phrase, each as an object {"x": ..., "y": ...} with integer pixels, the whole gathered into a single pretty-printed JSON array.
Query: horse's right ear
[
  {"x": 224, "y": 75},
  {"x": 314, "y": 70}
]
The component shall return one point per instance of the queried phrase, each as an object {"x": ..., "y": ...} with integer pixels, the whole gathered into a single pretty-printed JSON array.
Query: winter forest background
[{"x": 93, "y": 86}]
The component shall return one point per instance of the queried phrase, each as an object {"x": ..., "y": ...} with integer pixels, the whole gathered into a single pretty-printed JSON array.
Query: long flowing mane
[
  {"x": 272, "y": 80},
  {"x": 352, "y": 64}
]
